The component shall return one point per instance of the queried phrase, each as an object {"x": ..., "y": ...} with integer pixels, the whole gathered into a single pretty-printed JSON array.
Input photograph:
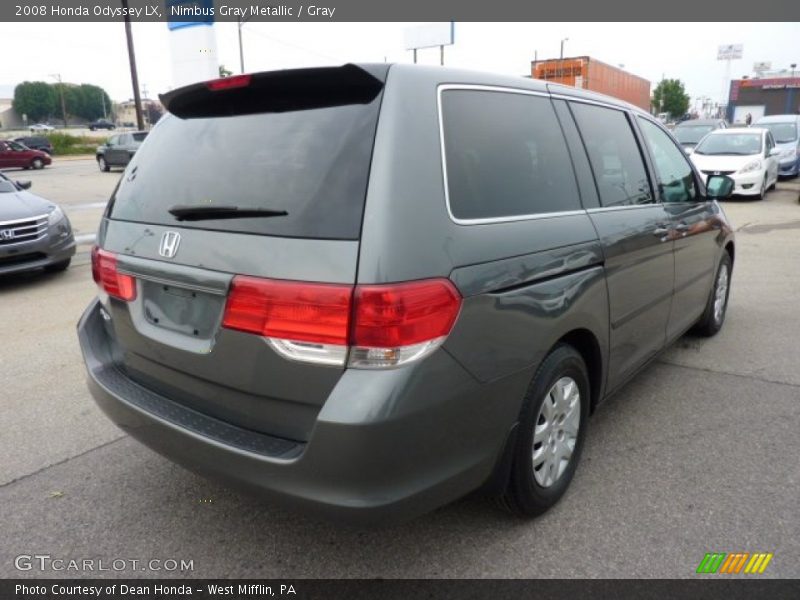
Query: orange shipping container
[{"x": 591, "y": 74}]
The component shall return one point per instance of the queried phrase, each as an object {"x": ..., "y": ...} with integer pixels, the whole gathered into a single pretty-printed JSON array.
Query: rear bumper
[{"x": 387, "y": 446}]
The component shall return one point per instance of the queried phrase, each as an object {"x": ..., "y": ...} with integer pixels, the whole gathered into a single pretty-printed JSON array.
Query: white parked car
[
  {"x": 748, "y": 155},
  {"x": 41, "y": 127}
]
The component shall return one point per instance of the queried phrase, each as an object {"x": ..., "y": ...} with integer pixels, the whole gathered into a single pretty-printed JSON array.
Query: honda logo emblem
[
  {"x": 7, "y": 234},
  {"x": 169, "y": 244}
]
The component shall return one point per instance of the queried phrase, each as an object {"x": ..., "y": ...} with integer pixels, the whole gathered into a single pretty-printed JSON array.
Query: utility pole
[
  {"x": 137, "y": 99},
  {"x": 241, "y": 21},
  {"x": 561, "y": 59},
  {"x": 57, "y": 77},
  {"x": 103, "y": 100}
]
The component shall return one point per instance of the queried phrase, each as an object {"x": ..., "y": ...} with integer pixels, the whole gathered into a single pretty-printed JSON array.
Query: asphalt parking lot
[{"x": 698, "y": 454}]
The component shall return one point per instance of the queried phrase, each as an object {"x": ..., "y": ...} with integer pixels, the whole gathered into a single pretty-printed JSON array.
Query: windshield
[
  {"x": 6, "y": 186},
  {"x": 731, "y": 143},
  {"x": 782, "y": 132},
  {"x": 313, "y": 164},
  {"x": 691, "y": 134}
]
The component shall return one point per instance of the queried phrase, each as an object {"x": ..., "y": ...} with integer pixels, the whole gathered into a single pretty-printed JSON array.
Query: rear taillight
[
  {"x": 379, "y": 326},
  {"x": 108, "y": 278},
  {"x": 397, "y": 323}
]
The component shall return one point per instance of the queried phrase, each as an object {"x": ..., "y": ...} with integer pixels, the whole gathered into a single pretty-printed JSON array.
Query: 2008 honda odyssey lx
[{"x": 370, "y": 290}]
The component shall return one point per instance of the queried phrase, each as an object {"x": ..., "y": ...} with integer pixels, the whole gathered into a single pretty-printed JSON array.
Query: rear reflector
[
  {"x": 227, "y": 83},
  {"x": 379, "y": 326},
  {"x": 105, "y": 274}
]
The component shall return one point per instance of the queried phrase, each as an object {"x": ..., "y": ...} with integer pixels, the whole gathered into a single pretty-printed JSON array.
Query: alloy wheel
[
  {"x": 556, "y": 431},
  {"x": 721, "y": 294}
]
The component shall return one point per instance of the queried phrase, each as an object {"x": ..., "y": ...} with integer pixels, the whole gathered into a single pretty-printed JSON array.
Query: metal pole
[
  {"x": 57, "y": 77},
  {"x": 441, "y": 55},
  {"x": 103, "y": 99},
  {"x": 241, "y": 48},
  {"x": 415, "y": 56},
  {"x": 134, "y": 77}
]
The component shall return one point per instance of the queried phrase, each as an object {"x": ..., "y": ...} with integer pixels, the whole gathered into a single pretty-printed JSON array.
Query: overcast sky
[{"x": 96, "y": 52}]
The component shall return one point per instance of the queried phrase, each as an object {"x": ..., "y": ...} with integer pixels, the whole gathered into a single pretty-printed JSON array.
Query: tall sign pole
[
  {"x": 728, "y": 52},
  {"x": 137, "y": 99},
  {"x": 430, "y": 35}
]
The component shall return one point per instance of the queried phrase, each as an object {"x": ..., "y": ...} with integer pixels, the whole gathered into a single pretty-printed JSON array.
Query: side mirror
[
  {"x": 775, "y": 152},
  {"x": 719, "y": 187},
  {"x": 24, "y": 185}
]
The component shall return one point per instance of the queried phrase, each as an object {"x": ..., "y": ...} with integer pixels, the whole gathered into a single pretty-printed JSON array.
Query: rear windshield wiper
[{"x": 204, "y": 213}]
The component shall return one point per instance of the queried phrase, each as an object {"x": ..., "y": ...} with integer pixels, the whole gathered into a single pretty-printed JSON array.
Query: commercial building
[
  {"x": 772, "y": 94},
  {"x": 591, "y": 74}
]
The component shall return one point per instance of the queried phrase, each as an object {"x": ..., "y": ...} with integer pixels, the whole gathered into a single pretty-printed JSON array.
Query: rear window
[
  {"x": 139, "y": 137},
  {"x": 313, "y": 164}
]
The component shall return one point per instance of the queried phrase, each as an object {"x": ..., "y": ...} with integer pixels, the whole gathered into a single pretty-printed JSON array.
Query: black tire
[
  {"x": 37, "y": 163},
  {"x": 59, "y": 266},
  {"x": 524, "y": 495},
  {"x": 102, "y": 164},
  {"x": 711, "y": 322},
  {"x": 763, "y": 192}
]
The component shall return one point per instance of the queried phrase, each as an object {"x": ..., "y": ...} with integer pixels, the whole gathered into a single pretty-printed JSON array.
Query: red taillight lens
[
  {"x": 380, "y": 326},
  {"x": 227, "y": 83},
  {"x": 395, "y": 315},
  {"x": 105, "y": 274},
  {"x": 306, "y": 312}
]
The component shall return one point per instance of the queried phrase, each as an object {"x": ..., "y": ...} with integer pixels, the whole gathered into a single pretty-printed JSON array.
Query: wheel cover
[
  {"x": 555, "y": 431},
  {"x": 721, "y": 294}
]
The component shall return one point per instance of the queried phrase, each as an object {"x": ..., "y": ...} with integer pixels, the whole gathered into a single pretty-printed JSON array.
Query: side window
[
  {"x": 505, "y": 156},
  {"x": 614, "y": 154},
  {"x": 675, "y": 177}
]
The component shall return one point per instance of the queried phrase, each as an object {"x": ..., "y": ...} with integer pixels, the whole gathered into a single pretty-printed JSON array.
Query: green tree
[
  {"x": 94, "y": 102},
  {"x": 37, "y": 99},
  {"x": 671, "y": 97}
]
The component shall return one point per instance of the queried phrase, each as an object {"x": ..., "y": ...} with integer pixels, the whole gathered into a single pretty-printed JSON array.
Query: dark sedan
[
  {"x": 101, "y": 124},
  {"x": 34, "y": 232},
  {"x": 36, "y": 142}
]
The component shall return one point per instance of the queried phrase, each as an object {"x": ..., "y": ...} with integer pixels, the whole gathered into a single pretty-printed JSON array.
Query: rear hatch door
[{"x": 263, "y": 176}]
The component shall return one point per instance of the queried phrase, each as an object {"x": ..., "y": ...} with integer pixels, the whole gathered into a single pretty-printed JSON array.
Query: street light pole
[
  {"x": 57, "y": 77},
  {"x": 239, "y": 24},
  {"x": 137, "y": 99}
]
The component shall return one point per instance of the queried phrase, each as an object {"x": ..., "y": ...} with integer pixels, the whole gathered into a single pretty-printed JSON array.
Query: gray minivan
[{"x": 370, "y": 290}]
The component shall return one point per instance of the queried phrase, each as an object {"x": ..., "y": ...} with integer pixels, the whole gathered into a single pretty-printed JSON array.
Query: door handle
[{"x": 660, "y": 231}]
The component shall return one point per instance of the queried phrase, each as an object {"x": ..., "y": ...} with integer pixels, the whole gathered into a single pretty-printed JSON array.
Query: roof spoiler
[{"x": 277, "y": 91}]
